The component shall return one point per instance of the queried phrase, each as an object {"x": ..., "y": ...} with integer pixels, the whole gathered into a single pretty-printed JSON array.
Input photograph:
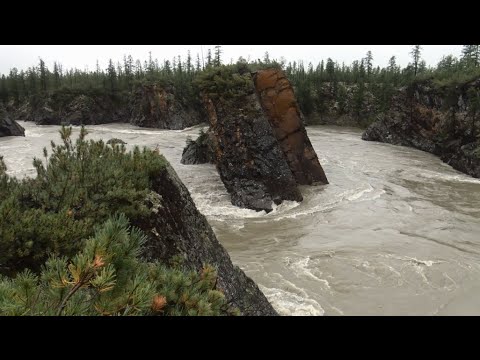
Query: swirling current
[{"x": 396, "y": 232}]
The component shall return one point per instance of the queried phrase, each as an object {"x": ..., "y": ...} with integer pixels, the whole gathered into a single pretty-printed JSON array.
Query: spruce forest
[{"x": 328, "y": 88}]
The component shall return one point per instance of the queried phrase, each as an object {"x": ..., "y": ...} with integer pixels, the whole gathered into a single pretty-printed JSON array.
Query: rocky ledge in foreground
[
  {"x": 442, "y": 121},
  {"x": 257, "y": 138},
  {"x": 140, "y": 184},
  {"x": 176, "y": 227},
  {"x": 9, "y": 127}
]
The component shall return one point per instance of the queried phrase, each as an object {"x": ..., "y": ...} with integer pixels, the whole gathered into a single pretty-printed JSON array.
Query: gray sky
[{"x": 80, "y": 56}]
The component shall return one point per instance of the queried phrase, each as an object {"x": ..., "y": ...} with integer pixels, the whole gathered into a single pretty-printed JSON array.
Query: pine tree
[
  {"x": 166, "y": 67},
  {"x": 189, "y": 63},
  {"x": 392, "y": 64},
  {"x": 266, "y": 58},
  {"x": 43, "y": 75},
  {"x": 218, "y": 53},
  {"x": 138, "y": 69},
  {"x": 321, "y": 71},
  {"x": 107, "y": 278},
  {"x": 3, "y": 89},
  {"x": 198, "y": 66},
  {"x": 416, "y": 56},
  {"x": 369, "y": 63},
  {"x": 56, "y": 76},
  {"x": 180, "y": 67},
  {"x": 151, "y": 65},
  {"x": 32, "y": 80},
  {"x": 112, "y": 77},
  {"x": 330, "y": 69},
  {"x": 209, "y": 58},
  {"x": 471, "y": 55}
]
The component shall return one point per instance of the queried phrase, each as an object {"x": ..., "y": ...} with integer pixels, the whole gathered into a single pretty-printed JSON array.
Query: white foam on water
[
  {"x": 420, "y": 270},
  {"x": 449, "y": 177},
  {"x": 237, "y": 226},
  {"x": 99, "y": 129},
  {"x": 308, "y": 211},
  {"x": 226, "y": 212},
  {"x": 290, "y": 304},
  {"x": 349, "y": 195},
  {"x": 392, "y": 269},
  {"x": 424, "y": 262},
  {"x": 337, "y": 310},
  {"x": 378, "y": 195},
  {"x": 357, "y": 194},
  {"x": 32, "y": 134},
  {"x": 301, "y": 268},
  {"x": 413, "y": 260},
  {"x": 285, "y": 206},
  {"x": 218, "y": 207}
]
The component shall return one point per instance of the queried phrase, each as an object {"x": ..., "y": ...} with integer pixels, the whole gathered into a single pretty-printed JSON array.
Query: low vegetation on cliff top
[
  {"x": 227, "y": 81},
  {"x": 77, "y": 185},
  {"x": 66, "y": 245},
  {"x": 107, "y": 278}
]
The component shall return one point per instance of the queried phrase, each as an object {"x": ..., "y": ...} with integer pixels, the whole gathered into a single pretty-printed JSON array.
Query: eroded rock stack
[
  {"x": 260, "y": 145},
  {"x": 281, "y": 107}
]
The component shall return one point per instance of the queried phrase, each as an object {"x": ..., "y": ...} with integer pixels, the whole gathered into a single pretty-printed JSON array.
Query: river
[{"x": 396, "y": 232}]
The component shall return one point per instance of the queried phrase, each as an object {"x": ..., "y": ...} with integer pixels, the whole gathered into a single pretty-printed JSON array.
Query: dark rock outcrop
[
  {"x": 433, "y": 120},
  {"x": 156, "y": 106},
  {"x": 177, "y": 228},
  {"x": 71, "y": 108},
  {"x": 93, "y": 110},
  {"x": 248, "y": 157},
  {"x": 279, "y": 103},
  {"x": 260, "y": 145},
  {"x": 199, "y": 151},
  {"x": 116, "y": 141},
  {"x": 406, "y": 124},
  {"x": 9, "y": 127},
  {"x": 152, "y": 106}
]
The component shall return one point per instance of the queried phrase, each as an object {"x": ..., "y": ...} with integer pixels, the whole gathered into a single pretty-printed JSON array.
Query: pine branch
[
  {"x": 69, "y": 295},
  {"x": 85, "y": 279}
]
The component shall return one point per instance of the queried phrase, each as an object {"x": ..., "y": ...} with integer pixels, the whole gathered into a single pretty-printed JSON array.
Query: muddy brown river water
[{"x": 396, "y": 232}]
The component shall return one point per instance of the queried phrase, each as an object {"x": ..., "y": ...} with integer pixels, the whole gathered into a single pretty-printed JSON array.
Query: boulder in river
[{"x": 9, "y": 127}]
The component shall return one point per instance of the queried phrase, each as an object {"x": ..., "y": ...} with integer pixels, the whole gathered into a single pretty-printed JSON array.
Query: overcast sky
[{"x": 80, "y": 56}]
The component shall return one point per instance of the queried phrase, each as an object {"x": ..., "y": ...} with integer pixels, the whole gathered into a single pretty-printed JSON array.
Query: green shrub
[
  {"x": 107, "y": 278},
  {"x": 226, "y": 81},
  {"x": 77, "y": 186}
]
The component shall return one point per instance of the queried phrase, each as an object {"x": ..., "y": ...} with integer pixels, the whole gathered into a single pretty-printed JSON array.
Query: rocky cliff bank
[
  {"x": 149, "y": 105},
  {"x": 177, "y": 228},
  {"x": 442, "y": 121}
]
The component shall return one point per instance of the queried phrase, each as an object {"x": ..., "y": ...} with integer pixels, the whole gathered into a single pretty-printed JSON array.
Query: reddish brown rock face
[
  {"x": 248, "y": 157},
  {"x": 258, "y": 142},
  {"x": 279, "y": 103}
]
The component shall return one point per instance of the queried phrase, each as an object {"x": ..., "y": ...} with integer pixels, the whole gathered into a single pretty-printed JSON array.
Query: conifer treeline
[
  {"x": 311, "y": 81},
  {"x": 331, "y": 80}
]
